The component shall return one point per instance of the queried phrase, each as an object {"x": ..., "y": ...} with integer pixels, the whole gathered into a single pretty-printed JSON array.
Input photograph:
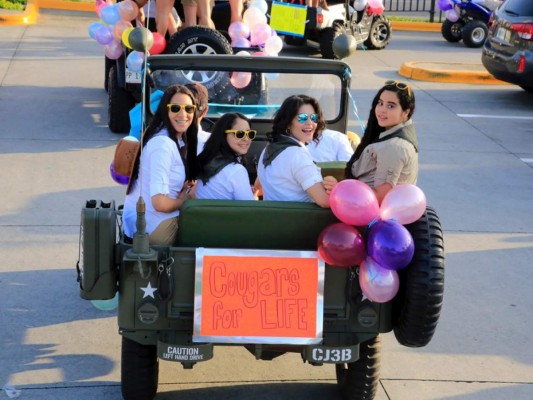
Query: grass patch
[
  {"x": 13, "y": 4},
  {"x": 407, "y": 19}
]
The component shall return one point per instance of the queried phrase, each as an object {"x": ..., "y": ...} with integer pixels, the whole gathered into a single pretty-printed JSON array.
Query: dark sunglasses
[
  {"x": 304, "y": 117},
  {"x": 399, "y": 85},
  {"x": 250, "y": 134},
  {"x": 176, "y": 108}
]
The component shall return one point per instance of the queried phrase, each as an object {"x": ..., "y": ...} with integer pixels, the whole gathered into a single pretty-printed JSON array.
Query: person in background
[
  {"x": 388, "y": 152},
  {"x": 221, "y": 173},
  {"x": 165, "y": 169},
  {"x": 286, "y": 170},
  {"x": 202, "y": 98},
  {"x": 330, "y": 145}
]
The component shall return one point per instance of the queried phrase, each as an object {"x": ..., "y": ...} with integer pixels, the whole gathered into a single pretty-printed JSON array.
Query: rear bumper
[{"x": 505, "y": 68}]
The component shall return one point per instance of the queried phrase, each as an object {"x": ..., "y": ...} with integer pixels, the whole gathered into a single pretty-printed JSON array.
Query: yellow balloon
[
  {"x": 353, "y": 138},
  {"x": 125, "y": 36}
]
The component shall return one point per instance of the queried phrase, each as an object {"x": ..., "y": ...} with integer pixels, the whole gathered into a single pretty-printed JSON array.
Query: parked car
[
  {"x": 183, "y": 316},
  {"x": 508, "y": 52}
]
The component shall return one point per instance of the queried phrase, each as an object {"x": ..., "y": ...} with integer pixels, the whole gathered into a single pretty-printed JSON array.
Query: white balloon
[
  {"x": 359, "y": 5},
  {"x": 260, "y": 4}
]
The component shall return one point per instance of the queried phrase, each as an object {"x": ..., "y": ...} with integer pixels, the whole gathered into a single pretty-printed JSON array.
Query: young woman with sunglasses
[
  {"x": 388, "y": 152},
  {"x": 221, "y": 173},
  {"x": 165, "y": 168},
  {"x": 286, "y": 169}
]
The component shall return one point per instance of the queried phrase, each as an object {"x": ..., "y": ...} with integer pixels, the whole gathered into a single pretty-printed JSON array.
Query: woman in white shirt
[
  {"x": 221, "y": 173},
  {"x": 286, "y": 170},
  {"x": 165, "y": 167}
]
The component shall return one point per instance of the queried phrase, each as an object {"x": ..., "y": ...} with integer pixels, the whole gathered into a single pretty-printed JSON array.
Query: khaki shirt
[{"x": 392, "y": 161}]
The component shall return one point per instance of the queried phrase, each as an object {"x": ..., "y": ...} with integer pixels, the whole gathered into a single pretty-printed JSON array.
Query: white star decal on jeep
[{"x": 148, "y": 291}]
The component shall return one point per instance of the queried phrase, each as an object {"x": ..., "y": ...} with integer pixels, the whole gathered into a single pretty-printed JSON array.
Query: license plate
[
  {"x": 132, "y": 77},
  {"x": 503, "y": 34},
  {"x": 332, "y": 355}
]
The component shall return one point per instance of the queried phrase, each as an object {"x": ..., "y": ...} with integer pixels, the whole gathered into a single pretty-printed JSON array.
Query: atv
[{"x": 247, "y": 273}]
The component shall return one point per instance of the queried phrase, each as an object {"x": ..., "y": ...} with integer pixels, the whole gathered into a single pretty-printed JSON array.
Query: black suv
[{"x": 508, "y": 52}]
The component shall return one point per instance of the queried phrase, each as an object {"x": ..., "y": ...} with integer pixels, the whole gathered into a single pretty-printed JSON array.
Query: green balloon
[
  {"x": 141, "y": 39},
  {"x": 344, "y": 45}
]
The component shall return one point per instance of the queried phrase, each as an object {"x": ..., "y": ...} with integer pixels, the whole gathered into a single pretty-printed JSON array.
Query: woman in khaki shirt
[{"x": 388, "y": 152}]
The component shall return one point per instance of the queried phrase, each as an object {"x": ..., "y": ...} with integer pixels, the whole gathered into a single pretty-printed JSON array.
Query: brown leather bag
[{"x": 125, "y": 155}]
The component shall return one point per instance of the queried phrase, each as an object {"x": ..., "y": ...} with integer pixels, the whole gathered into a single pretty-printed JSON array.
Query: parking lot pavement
[{"x": 55, "y": 154}]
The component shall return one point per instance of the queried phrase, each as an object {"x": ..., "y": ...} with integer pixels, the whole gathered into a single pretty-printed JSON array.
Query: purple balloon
[
  {"x": 444, "y": 5},
  {"x": 377, "y": 283},
  {"x": 103, "y": 35},
  {"x": 341, "y": 245},
  {"x": 390, "y": 244},
  {"x": 120, "y": 179}
]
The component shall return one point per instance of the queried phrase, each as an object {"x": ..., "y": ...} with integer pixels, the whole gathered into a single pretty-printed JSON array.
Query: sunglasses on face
[
  {"x": 399, "y": 85},
  {"x": 304, "y": 117},
  {"x": 239, "y": 134},
  {"x": 176, "y": 108}
]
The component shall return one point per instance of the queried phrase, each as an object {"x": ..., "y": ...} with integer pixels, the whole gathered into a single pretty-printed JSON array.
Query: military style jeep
[{"x": 247, "y": 273}]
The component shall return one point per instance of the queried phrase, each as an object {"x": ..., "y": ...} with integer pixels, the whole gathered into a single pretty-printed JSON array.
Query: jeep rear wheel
[
  {"x": 418, "y": 303},
  {"x": 359, "y": 380},
  {"x": 327, "y": 37},
  {"x": 379, "y": 34},
  {"x": 139, "y": 371},
  {"x": 120, "y": 102},
  {"x": 201, "y": 40}
]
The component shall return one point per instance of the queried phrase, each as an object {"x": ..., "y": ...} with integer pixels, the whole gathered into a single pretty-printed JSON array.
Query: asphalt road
[{"x": 476, "y": 158}]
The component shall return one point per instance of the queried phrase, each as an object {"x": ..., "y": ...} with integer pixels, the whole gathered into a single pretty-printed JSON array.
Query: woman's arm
[
  {"x": 319, "y": 194},
  {"x": 166, "y": 204}
]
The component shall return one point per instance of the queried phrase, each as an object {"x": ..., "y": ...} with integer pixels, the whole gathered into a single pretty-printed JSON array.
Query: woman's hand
[{"x": 329, "y": 183}]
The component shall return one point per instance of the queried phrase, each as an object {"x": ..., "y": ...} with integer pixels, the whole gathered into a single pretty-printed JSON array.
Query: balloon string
[
  {"x": 356, "y": 112},
  {"x": 376, "y": 219}
]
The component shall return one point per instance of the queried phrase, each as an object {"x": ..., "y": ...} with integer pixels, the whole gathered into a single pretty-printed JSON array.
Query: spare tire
[
  {"x": 200, "y": 40},
  {"x": 417, "y": 306}
]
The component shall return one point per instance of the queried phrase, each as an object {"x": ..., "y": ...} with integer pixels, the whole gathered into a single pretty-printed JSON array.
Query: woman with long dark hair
[
  {"x": 388, "y": 152},
  {"x": 221, "y": 173},
  {"x": 286, "y": 169},
  {"x": 165, "y": 168}
]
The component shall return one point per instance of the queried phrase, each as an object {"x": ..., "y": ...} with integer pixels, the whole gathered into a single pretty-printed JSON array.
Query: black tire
[
  {"x": 452, "y": 31},
  {"x": 119, "y": 105},
  {"x": 139, "y": 376},
  {"x": 379, "y": 35},
  {"x": 359, "y": 380},
  {"x": 475, "y": 33},
  {"x": 327, "y": 36},
  {"x": 418, "y": 303},
  {"x": 255, "y": 93},
  {"x": 200, "y": 40},
  {"x": 107, "y": 66}
]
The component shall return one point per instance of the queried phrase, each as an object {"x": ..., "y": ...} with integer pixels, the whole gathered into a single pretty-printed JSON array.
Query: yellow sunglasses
[
  {"x": 399, "y": 85},
  {"x": 176, "y": 108},
  {"x": 240, "y": 134}
]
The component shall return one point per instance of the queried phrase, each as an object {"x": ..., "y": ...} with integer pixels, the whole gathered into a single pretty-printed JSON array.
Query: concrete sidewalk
[{"x": 418, "y": 70}]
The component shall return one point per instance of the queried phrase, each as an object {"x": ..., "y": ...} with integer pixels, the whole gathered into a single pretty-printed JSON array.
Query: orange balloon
[{"x": 120, "y": 27}]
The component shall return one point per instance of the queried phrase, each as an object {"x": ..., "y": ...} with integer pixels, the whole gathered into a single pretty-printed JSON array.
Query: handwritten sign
[
  {"x": 258, "y": 296},
  {"x": 288, "y": 19}
]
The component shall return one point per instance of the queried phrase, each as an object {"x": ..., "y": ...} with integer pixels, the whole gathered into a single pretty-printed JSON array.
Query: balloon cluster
[
  {"x": 372, "y": 6},
  {"x": 118, "y": 178},
  {"x": 115, "y": 30},
  {"x": 388, "y": 246},
  {"x": 450, "y": 12},
  {"x": 253, "y": 31}
]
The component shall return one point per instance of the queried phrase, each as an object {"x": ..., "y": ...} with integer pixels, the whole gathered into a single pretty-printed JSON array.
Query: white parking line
[
  {"x": 527, "y": 160},
  {"x": 492, "y": 116}
]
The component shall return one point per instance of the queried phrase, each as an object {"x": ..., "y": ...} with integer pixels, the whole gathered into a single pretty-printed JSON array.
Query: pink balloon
[
  {"x": 240, "y": 80},
  {"x": 261, "y": 32},
  {"x": 242, "y": 43},
  {"x": 377, "y": 283},
  {"x": 259, "y": 53},
  {"x": 253, "y": 16},
  {"x": 403, "y": 203},
  {"x": 341, "y": 245},
  {"x": 238, "y": 30},
  {"x": 273, "y": 45},
  {"x": 354, "y": 202},
  {"x": 120, "y": 27},
  {"x": 159, "y": 44},
  {"x": 113, "y": 50},
  {"x": 128, "y": 10}
]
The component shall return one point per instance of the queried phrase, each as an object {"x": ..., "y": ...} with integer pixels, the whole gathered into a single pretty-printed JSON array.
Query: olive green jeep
[{"x": 247, "y": 273}]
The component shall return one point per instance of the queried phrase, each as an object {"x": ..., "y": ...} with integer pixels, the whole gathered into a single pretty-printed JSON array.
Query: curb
[
  {"x": 448, "y": 72},
  {"x": 31, "y": 12},
  {"x": 416, "y": 26}
]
